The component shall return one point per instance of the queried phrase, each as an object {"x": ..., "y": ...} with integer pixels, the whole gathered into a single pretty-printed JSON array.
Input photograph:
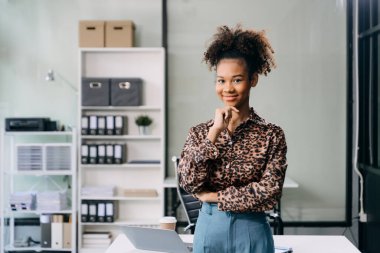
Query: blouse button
[
  {"x": 230, "y": 143},
  {"x": 228, "y": 166}
]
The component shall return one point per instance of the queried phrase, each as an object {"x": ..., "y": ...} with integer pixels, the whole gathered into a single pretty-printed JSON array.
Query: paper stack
[
  {"x": 96, "y": 239},
  {"x": 22, "y": 201},
  {"x": 52, "y": 201},
  {"x": 95, "y": 191}
]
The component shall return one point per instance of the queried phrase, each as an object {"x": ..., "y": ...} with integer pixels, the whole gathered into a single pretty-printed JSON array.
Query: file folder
[
  {"x": 57, "y": 232},
  {"x": 84, "y": 211},
  {"x": 93, "y": 154},
  {"x": 110, "y": 125},
  {"x": 93, "y": 125},
  {"x": 101, "y": 154},
  {"x": 119, "y": 153},
  {"x": 110, "y": 212},
  {"x": 85, "y": 125},
  {"x": 101, "y": 125},
  {"x": 67, "y": 234},
  {"x": 119, "y": 125},
  {"x": 84, "y": 154},
  {"x": 92, "y": 212},
  {"x": 109, "y": 154},
  {"x": 101, "y": 212},
  {"x": 45, "y": 224}
]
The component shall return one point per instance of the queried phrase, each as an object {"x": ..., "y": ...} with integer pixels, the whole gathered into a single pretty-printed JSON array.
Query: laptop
[{"x": 153, "y": 239}]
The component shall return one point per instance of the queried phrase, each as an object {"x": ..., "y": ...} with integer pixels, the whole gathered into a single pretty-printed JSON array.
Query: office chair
[
  {"x": 193, "y": 205},
  {"x": 190, "y": 204}
]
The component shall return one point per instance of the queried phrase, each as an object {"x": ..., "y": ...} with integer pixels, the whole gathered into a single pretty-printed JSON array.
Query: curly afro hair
[{"x": 250, "y": 45}]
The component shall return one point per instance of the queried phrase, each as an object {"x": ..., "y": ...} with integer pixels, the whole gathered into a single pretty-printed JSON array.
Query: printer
[{"x": 30, "y": 124}]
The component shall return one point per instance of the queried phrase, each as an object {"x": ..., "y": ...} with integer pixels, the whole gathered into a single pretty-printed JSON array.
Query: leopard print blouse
[{"x": 247, "y": 169}]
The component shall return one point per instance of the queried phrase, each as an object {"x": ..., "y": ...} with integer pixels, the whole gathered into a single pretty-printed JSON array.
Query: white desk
[
  {"x": 299, "y": 243},
  {"x": 290, "y": 183},
  {"x": 316, "y": 244}
]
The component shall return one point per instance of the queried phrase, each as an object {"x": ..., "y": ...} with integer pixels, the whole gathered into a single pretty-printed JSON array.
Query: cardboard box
[
  {"x": 140, "y": 193},
  {"x": 119, "y": 33},
  {"x": 91, "y": 33}
]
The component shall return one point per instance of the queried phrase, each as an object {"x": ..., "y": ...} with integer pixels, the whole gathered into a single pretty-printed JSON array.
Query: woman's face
[{"x": 233, "y": 83}]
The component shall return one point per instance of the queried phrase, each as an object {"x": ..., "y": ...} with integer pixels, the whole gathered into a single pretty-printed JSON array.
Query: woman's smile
[{"x": 230, "y": 97}]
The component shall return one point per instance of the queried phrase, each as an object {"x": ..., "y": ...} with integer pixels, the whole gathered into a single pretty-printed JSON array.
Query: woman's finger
[{"x": 234, "y": 108}]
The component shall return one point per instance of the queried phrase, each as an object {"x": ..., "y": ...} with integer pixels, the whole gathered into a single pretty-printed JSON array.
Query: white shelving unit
[
  {"x": 50, "y": 177},
  {"x": 149, "y": 65}
]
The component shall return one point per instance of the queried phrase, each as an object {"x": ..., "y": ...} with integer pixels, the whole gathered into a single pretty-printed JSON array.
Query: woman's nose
[{"x": 228, "y": 87}]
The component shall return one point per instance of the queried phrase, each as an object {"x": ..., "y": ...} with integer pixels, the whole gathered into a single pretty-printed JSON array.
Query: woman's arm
[
  {"x": 262, "y": 195},
  {"x": 192, "y": 168},
  {"x": 199, "y": 149}
]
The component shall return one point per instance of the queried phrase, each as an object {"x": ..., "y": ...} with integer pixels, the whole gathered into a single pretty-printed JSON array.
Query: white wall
[
  {"x": 306, "y": 94},
  {"x": 38, "y": 35}
]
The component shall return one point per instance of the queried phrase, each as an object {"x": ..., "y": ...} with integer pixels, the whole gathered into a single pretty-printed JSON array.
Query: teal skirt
[{"x": 221, "y": 232}]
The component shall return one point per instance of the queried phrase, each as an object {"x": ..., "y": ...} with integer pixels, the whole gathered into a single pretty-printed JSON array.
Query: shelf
[
  {"x": 38, "y": 212},
  {"x": 120, "y": 198},
  {"x": 153, "y": 223},
  {"x": 35, "y": 248},
  {"x": 39, "y": 133},
  {"x": 57, "y": 159},
  {"x": 145, "y": 154},
  {"x": 121, "y": 50},
  {"x": 122, "y": 166},
  {"x": 120, "y": 108},
  {"x": 121, "y": 137},
  {"x": 41, "y": 173}
]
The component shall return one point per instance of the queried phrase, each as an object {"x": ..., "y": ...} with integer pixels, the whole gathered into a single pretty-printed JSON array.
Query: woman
[{"x": 235, "y": 164}]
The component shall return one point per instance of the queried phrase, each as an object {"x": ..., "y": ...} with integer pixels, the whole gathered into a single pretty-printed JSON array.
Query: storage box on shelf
[
  {"x": 110, "y": 33},
  {"x": 91, "y": 33},
  {"x": 38, "y": 181},
  {"x": 121, "y": 171},
  {"x": 119, "y": 33}
]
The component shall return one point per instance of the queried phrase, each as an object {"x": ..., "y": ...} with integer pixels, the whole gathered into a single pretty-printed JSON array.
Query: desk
[
  {"x": 299, "y": 243},
  {"x": 290, "y": 183}
]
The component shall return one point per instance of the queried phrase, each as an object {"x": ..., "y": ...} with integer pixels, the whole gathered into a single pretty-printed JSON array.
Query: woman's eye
[
  {"x": 237, "y": 81},
  {"x": 220, "y": 81}
]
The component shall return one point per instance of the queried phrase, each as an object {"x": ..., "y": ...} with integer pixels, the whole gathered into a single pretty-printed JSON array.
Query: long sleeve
[
  {"x": 193, "y": 169},
  {"x": 263, "y": 194}
]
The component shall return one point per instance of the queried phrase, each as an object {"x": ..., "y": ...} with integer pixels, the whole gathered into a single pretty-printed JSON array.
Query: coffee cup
[{"x": 168, "y": 222}]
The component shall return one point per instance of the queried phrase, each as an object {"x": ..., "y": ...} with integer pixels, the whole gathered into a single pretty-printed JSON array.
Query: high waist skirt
[{"x": 228, "y": 232}]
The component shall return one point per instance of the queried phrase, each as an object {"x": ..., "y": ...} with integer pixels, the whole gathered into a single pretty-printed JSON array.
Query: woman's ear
[{"x": 254, "y": 79}]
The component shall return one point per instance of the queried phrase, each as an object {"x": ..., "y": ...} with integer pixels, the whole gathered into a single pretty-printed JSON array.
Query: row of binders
[
  {"x": 103, "y": 125},
  {"x": 103, "y": 153},
  {"x": 98, "y": 211},
  {"x": 55, "y": 231}
]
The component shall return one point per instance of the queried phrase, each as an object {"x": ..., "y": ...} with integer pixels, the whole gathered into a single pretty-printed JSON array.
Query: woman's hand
[
  {"x": 207, "y": 196},
  {"x": 221, "y": 121}
]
